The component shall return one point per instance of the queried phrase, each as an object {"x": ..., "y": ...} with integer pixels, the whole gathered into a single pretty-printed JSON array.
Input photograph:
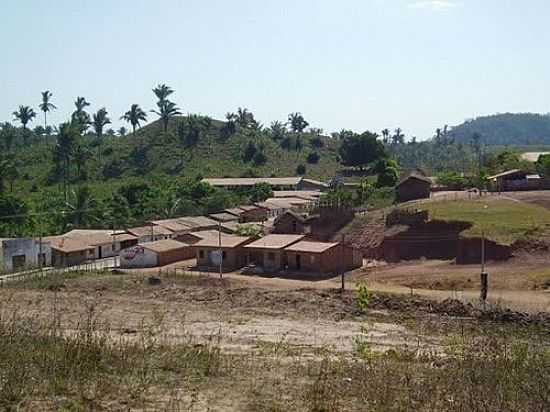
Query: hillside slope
[{"x": 506, "y": 129}]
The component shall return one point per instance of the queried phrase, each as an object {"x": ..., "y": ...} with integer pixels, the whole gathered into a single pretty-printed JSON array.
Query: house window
[
  {"x": 201, "y": 254},
  {"x": 271, "y": 256},
  {"x": 294, "y": 226}
]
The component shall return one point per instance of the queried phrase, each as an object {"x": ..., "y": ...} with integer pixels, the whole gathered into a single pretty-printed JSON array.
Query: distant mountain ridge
[{"x": 506, "y": 129}]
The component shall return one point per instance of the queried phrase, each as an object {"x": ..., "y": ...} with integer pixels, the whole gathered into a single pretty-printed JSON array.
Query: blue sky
[{"x": 361, "y": 64}]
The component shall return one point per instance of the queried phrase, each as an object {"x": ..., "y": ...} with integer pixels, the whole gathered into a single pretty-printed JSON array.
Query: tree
[
  {"x": 10, "y": 172},
  {"x": 249, "y": 151},
  {"x": 80, "y": 116},
  {"x": 46, "y": 106},
  {"x": 543, "y": 165},
  {"x": 245, "y": 118},
  {"x": 162, "y": 92},
  {"x": 301, "y": 169},
  {"x": 361, "y": 150},
  {"x": 297, "y": 122},
  {"x": 24, "y": 114},
  {"x": 277, "y": 130},
  {"x": 134, "y": 116},
  {"x": 386, "y": 136},
  {"x": 259, "y": 158},
  {"x": 476, "y": 147},
  {"x": 82, "y": 207},
  {"x": 230, "y": 126},
  {"x": 122, "y": 131},
  {"x": 398, "y": 137},
  {"x": 313, "y": 158},
  {"x": 100, "y": 120},
  {"x": 80, "y": 156},
  {"x": 260, "y": 192},
  {"x": 8, "y": 135},
  {"x": 16, "y": 209},
  {"x": 387, "y": 171},
  {"x": 364, "y": 191},
  {"x": 63, "y": 150},
  {"x": 166, "y": 111}
]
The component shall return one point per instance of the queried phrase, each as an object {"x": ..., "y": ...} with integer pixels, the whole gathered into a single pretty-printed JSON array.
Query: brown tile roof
[
  {"x": 237, "y": 211},
  {"x": 275, "y": 241},
  {"x": 227, "y": 241},
  {"x": 223, "y": 217},
  {"x": 248, "y": 208},
  {"x": 311, "y": 247},
  {"x": 165, "y": 245},
  {"x": 173, "y": 224},
  {"x": 95, "y": 237},
  {"x": 301, "y": 194},
  {"x": 251, "y": 181},
  {"x": 146, "y": 231},
  {"x": 67, "y": 245},
  {"x": 203, "y": 234},
  {"x": 198, "y": 221}
]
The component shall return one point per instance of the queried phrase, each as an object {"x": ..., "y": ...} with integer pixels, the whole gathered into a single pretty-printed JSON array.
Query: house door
[
  {"x": 298, "y": 262},
  {"x": 99, "y": 252}
]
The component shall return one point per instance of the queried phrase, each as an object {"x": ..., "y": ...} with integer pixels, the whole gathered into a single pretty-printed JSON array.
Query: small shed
[
  {"x": 322, "y": 257},
  {"x": 159, "y": 253},
  {"x": 233, "y": 257},
  {"x": 413, "y": 187},
  {"x": 268, "y": 251}
]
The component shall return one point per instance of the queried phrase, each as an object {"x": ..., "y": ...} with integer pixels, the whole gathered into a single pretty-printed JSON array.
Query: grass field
[{"x": 501, "y": 220}]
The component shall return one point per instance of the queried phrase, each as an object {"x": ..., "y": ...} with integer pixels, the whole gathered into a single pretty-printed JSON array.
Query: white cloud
[{"x": 436, "y": 5}]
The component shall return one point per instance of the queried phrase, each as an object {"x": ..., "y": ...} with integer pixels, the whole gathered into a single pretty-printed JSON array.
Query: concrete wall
[
  {"x": 235, "y": 258},
  {"x": 138, "y": 257},
  {"x": 177, "y": 255},
  {"x": 256, "y": 215},
  {"x": 330, "y": 261},
  {"x": 25, "y": 252},
  {"x": 60, "y": 259}
]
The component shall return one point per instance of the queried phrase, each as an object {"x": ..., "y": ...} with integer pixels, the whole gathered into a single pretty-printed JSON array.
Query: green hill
[{"x": 506, "y": 129}]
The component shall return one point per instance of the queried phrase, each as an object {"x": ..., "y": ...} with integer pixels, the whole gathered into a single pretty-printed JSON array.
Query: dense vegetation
[
  {"x": 506, "y": 129},
  {"x": 84, "y": 174}
]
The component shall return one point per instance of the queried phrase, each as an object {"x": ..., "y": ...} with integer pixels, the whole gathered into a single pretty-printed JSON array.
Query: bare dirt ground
[{"x": 240, "y": 316}]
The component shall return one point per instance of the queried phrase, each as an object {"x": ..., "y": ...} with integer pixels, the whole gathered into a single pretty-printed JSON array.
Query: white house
[{"x": 24, "y": 253}]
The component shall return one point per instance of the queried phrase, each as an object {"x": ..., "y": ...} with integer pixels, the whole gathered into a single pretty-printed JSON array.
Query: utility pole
[
  {"x": 220, "y": 246},
  {"x": 484, "y": 284},
  {"x": 342, "y": 263}
]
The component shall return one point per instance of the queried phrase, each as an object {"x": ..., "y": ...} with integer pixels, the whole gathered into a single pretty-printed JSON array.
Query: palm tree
[
  {"x": 82, "y": 207},
  {"x": 134, "y": 116},
  {"x": 46, "y": 106},
  {"x": 386, "y": 136},
  {"x": 162, "y": 92},
  {"x": 80, "y": 115},
  {"x": 100, "y": 120},
  {"x": 297, "y": 122},
  {"x": 122, "y": 131},
  {"x": 80, "y": 155},
  {"x": 64, "y": 148},
  {"x": 24, "y": 114},
  {"x": 167, "y": 110}
]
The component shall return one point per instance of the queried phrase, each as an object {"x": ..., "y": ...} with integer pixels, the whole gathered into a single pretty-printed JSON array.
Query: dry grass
[{"x": 46, "y": 366}]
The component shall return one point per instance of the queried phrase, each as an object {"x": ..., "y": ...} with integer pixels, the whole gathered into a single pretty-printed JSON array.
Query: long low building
[
  {"x": 322, "y": 257},
  {"x": 225, "y": 249}
]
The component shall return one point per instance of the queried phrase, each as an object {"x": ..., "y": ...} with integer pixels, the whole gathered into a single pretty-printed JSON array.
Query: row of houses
[
  {"x": 272, "y": 253},
  {"x": 78, "y": 246}
]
